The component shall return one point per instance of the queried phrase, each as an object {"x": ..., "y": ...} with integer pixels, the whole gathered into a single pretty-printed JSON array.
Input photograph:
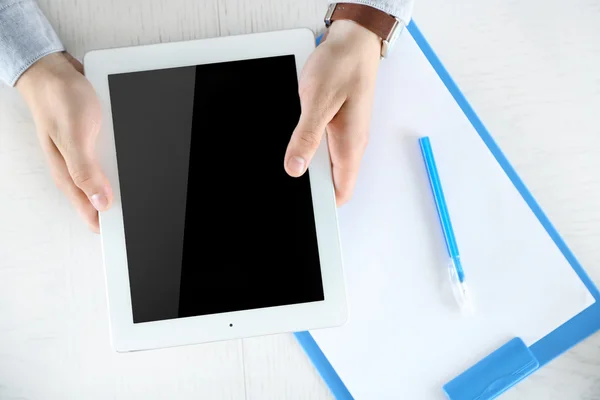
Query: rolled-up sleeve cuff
[{"x": 25, "y": 37}]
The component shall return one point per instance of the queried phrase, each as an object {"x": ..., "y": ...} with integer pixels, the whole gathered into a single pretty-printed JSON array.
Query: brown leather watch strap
[{"x": 377, "y": 21}]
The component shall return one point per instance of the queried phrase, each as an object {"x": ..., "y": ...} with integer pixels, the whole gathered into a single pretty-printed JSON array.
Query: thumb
[
  {"x": 87, "y": 176},
  {"x": 317, "y": 111}
]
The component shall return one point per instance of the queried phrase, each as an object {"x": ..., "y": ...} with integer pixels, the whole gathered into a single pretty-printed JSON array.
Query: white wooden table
[{"x": 531, "y": 68}]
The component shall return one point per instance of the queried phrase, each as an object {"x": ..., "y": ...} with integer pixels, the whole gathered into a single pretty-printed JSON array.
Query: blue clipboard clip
[{"x": 494, "y": 374}]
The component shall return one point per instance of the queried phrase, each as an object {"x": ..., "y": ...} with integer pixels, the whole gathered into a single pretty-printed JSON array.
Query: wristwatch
[{"x": 384, "y": 25}]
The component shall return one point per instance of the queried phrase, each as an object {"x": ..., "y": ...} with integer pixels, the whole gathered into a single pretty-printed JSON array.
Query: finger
[
  {"x": 348, "y": 135},
  {"x": 87, "y": 175},
  {"x": 63, "y": 181},
  {"x": 319, "y": 106}
]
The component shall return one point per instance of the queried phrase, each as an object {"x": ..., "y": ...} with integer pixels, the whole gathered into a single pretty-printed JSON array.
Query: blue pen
[{"x": 457, "y": 274}]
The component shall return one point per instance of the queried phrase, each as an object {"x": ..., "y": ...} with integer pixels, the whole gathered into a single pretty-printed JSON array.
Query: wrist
[
  {"x": 350, "y": 32},
  {"x": 46, "y": 70}
]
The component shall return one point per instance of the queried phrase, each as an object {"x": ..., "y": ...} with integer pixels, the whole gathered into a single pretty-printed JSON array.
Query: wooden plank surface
[{"x": 528, "y": 67}]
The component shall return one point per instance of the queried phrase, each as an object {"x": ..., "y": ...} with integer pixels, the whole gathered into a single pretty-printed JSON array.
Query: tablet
[{"x": 208, "y": 238}]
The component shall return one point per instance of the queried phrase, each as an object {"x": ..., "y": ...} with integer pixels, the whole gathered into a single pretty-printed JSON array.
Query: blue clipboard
[{"x": 514, "y": 361}]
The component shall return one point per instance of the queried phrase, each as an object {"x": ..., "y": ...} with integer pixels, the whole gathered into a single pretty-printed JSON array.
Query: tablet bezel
[{"x": 127, "y": 336}]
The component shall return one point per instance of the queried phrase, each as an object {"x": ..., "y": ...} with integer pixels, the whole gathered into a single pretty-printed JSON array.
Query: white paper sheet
[{"x": 405, "y": 338}]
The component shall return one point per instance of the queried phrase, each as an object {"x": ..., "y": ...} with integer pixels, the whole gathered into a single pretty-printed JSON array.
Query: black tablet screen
[{"x": 212, "y": 221}]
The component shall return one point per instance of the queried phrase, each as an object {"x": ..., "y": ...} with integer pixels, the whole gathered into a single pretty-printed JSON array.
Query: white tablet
[{"x": 208, "y": 238}]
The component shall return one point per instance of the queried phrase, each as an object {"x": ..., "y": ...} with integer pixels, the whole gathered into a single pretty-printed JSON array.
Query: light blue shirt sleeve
[
  {"x": 401, "y": 9},
  {"x": 25, "y": 37}
]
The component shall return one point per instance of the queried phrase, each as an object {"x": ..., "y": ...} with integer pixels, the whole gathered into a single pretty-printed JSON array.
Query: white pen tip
[
  {"x": 461, "y": 292},
  {"x": 463, "y": 297}
]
